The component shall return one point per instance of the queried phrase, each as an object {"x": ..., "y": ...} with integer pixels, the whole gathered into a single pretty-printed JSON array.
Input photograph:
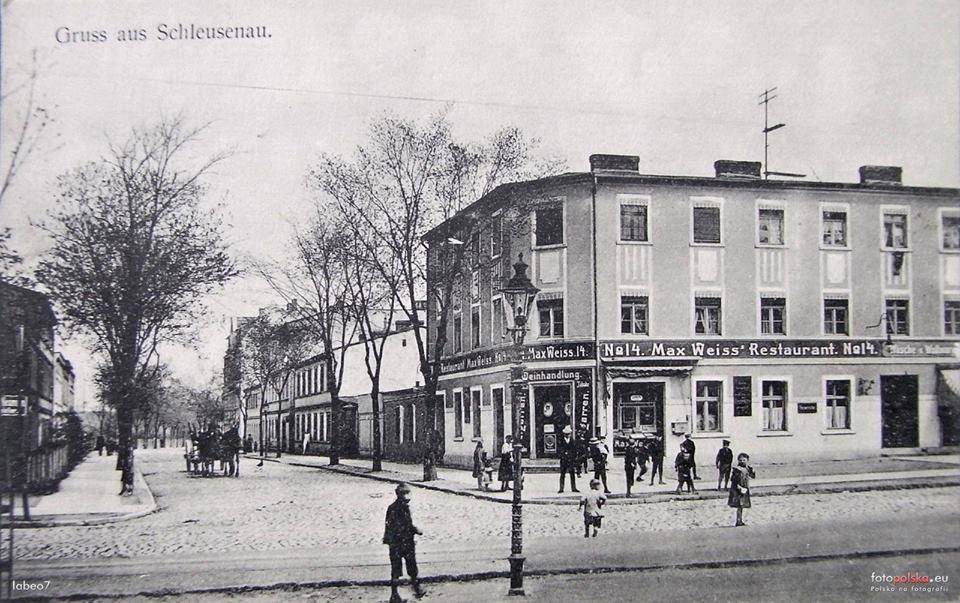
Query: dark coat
[
  {"x": 567, "y": 451},
  {"x": 505, "y": 471},
  {"x": 689, "y": 446},
  {"x": 683, "y": 466},
  {"x": 724, "y": 457},
  {"x": 399, "y": 529},
  {"x": 630, "y": 457},
  {"x": 479, "y": 456},
  {"x": 740, "y": 479}
]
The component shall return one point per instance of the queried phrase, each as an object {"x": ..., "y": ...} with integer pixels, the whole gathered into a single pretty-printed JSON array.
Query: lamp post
[{"x": 519, "y": 294}]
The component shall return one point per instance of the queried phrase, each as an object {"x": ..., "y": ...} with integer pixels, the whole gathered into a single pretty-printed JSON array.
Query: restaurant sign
[
  {"x": 742, "y": 348},
  {"x": 531, "y": 353}
]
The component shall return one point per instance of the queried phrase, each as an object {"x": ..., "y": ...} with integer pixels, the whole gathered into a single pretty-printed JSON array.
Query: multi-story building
[
  {"x": 64, "y": 386},
  {"x": 798, "y": 319}
]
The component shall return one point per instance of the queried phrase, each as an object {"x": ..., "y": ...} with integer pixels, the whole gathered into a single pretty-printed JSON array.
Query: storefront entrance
[
  {"x": 554, "y": 407},
  {"x": 638, "y": 408},
  {"x": 899, "y": 411}
]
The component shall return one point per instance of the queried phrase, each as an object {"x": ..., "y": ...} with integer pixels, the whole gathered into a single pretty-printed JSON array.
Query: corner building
[{"x": 800, "y": 320}]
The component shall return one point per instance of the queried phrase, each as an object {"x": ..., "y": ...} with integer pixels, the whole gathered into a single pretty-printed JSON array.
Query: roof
[{"x": 504, "y": 191}]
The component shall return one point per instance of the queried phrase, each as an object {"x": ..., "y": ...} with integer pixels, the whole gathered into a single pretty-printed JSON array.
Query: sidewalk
[
  {"x": 88, "y": 496},
  {"x": 541, "y": 488}
]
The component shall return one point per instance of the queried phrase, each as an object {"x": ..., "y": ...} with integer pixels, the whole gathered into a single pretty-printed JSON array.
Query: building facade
[{"x": 797, "y": 319}]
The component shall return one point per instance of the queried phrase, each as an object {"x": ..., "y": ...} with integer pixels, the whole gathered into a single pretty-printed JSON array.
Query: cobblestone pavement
[{"x": 279, "y": 507}]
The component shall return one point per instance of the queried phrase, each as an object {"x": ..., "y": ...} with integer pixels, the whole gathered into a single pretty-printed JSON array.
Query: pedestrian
[
  {"x": 567, "y": 450},
  {"x": 306, "y": 443},
  {"x": 479, "y": 458},
  {"x": 642, "y": 457},
  {"x": 487, "y": 476},
  {"x": 591, "y": 502},
  {"x": 630, "y": 463},
  {"x": 505, "y": 472},
  {"x": 724, "y": 463},
  {"x": 740, "y": 486},
  {"x": 583, "y": 453},
  {"x": 101, "y": 444},
  {"x": 684, "y": 467},
  {"x": 598, "y": 454},
  {"x": 399, "y": 533},
  {"x": 655, "y": 447},
  {"x": 689, "y": 445}
]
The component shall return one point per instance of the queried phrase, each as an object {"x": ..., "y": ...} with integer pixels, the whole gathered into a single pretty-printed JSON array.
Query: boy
[
  {"x": 591, "y": 503},
  {"x": 724, "y": 463},
  {"x": 398, "y": 533},
  {"x": 684, "y": 466},
  {"x": 599, "y": 454}
]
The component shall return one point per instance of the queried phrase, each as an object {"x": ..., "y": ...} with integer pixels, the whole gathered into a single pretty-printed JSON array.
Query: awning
[
  {"x": 634, "y": 372},
  {"x": 948, "y": 389}
]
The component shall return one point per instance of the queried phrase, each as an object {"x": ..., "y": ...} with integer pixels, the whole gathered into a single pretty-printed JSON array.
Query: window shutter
[{"x": 706, "y": 224}]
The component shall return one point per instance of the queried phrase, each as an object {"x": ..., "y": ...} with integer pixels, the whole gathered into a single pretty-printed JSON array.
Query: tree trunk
[
  {"x": 125, "y": 450},
  {"x": 377, "y": 447},
  {"x": 433, "y": 438}
]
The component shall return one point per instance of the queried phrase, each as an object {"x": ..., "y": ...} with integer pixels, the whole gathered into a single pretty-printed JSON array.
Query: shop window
[
  {"x": 633, "y": 315},
  {"x": 706, "y": 225},
  {"x": 475, "y": 327},
  {"x": 834, "y": 228},
  {"x": 551, "y": 317},
  {"x": 770, "y": 227},
  {"x": 549, "y": 226},
  {"x": 773, "y": 313},
  {"x": 709, "y": 403},
  {"x": 457, "y": 334},
  {"x": 951, "y": 231},
  {"x": 707, "y": 316},
  {"x": 475, "y": 396},
  {"x": 458, "y": 414},
  {"x": 838, "y": 404},
  {"x": 898, "y": 316},
  {"x": 835, "y": 317},
  {"x": 633, "y": 222},
  {"x": 895, "y": 230},
  {"x": 628, "y": 417},
  {"x": 951, "y": 317},
  {"x": 774, "y": 403}
]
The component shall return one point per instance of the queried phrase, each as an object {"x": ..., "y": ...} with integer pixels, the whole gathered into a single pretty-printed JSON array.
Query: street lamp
[{"x": 519, "y": 294}]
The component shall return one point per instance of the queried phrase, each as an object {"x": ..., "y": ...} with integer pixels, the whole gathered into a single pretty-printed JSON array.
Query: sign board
[
  {"x": 806, "y": 408},
  {"x": 742, "y": 396},
  {"x": 743, "y": 348}
]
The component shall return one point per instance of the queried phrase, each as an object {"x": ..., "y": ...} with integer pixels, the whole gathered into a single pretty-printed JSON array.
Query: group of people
[
  {"x": 483, "y": 465},
  {"x": 574, "y": 456},
  {"x": 210, "y": 445}
]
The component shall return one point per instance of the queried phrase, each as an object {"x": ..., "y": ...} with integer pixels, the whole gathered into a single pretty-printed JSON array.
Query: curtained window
[
  {"x": 774, "y": 402},
  {"x": 838, "y": 404}
]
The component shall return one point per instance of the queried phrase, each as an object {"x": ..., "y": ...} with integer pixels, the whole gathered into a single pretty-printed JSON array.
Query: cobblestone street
[{"x": 279, "y": 507}]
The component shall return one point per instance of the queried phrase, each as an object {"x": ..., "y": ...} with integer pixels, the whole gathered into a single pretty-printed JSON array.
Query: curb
[
  {"x": 644, "y": 498},
  {"x": 148, "y": 507},
  {"x": 490, "y": 575}
]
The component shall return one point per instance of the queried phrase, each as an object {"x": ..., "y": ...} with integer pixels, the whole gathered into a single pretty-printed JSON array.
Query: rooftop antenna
[{"x": 766, "y": 97}]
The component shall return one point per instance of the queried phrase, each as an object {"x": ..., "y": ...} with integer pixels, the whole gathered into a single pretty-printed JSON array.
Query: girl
[
  {"x": 505, "y": 473},
  {"x": 740, "y": 486}
]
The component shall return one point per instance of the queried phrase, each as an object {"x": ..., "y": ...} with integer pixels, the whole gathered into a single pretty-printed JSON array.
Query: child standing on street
[
  {"x": 740, "y": 486},
  {"x": 398, "y": 533},
  {"x": 724, "y": 464},
  {"x": 591, "y": 502},
  {"x": 487, "y": 477}
]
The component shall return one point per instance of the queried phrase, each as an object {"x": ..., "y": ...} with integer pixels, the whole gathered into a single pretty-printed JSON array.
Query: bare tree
[
  {"x": 30, "y": 122},
  {"x": 403, "y": 183},
  {"x": 133, "y": 254}
]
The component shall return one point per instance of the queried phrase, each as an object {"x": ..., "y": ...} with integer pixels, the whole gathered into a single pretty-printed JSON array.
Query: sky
[{"x": 676, "y": 83}]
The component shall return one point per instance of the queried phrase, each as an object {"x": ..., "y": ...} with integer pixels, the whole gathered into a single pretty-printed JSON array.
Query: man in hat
[
  {"x": 724, "y": 463},
  {"x": 567, "y": 451},
  {"x": 687, "y": 445},
  {"x": 398, "y": 533},
  {"x": 655, "y": 448}
]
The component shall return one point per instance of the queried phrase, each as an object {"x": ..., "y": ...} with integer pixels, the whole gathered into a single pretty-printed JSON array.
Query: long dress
[
  {"x": 505, "y": 472},
  {"x": 740, "y": 478}
]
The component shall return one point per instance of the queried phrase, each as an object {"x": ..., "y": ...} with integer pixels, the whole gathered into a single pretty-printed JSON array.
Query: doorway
[
  {"x": 552, "y": 403},
  {"x": 496, "y": 395},
  {"x": 899, "y": 411}
]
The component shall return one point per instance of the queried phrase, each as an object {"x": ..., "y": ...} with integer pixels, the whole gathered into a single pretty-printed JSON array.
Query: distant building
[{"x": 798, "y": 319}]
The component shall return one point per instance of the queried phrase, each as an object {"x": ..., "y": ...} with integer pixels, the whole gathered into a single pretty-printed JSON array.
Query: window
[
  {"x": 475, "y": 405},
  {"x": 408, "y": 424},
  {"x": 633, "y": 315},
  {"x": 707, "y": 316},
  {"x": 475, "y": 327},
  {"x": 551, "y": 317},
  {"x": 834, "y": 229},
  {"x": 951, "y": 231},
  {"x": 633, "y": 222},
  {"x": 897, "y": 314},
  {"x": 770, "y": 227},
  {"x": 549, "y": 226},
  {"x": 835, "y": 317},
  {"x": 467, "y": 414},
  {"x": 708, "y": 401},
  {"x": 475, "y": 285},
  {"x": 951, "y": 317},
  {"x": 838, "y": 404},
  {"x": 458, "y": 414},
  {"x": 895, "y": 231},
  {"x": 774, "y": 401},
  {"x": 773, "y": 312},
  {"x": 413, "y": 422},
  {"x": 497, "y": 329},
  {"x": 475, "y": 247},
  {"x": 457, "y": 333},
  {"x": 496, "y": 236},
  {"x": 398, "y": 424},
  {"x": 706, "y": 225}
]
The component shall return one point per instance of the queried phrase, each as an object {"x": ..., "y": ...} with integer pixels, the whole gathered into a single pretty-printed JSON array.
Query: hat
[
  {"x": 567, "y": 429},
  {"x": 594, "y": 440},
  {"x": 594, "y": 482},
  {"x": 686, "y": 435},
  {"x": 402, "y": 487},
  {"x": 726, "y": 441}
]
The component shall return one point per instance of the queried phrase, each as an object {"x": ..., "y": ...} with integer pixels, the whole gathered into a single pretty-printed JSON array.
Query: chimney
[
  {"x": 737, "y": 170},
  {"x": 890, "y": 175},
  {"x": 616, "y": 163}
]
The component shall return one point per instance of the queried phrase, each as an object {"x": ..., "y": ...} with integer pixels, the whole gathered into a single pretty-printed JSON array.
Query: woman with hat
[
  {"x": 567, "y": 451},
  {"x": 505, "y": 472}
]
